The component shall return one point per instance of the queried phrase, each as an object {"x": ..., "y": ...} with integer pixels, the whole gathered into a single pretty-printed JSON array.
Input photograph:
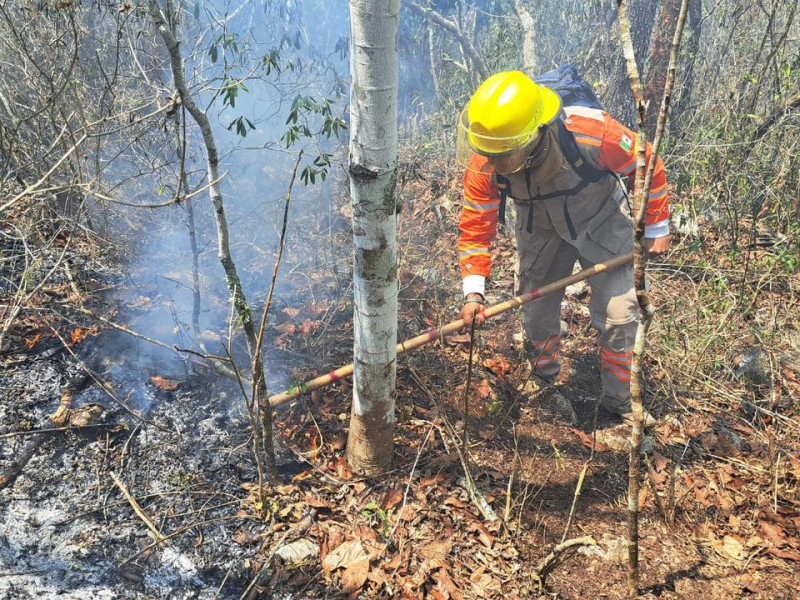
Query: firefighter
[{"x": 515, "y": 142}]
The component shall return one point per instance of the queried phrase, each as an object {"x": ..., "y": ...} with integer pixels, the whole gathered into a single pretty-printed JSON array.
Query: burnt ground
[{"x": 720, "y": 509}]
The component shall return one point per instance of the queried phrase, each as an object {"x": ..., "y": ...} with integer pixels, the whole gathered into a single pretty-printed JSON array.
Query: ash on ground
[{"x": 66, "y": 528}]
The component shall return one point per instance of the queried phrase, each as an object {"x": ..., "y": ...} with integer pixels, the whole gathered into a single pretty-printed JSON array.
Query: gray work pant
[{"x": 544, "y": 257}]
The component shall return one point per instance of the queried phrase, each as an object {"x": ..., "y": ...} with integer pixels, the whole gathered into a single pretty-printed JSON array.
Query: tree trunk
[
  {"x": 683, "y": 106},
  {"x": 659, "y": 60},
  {"x": 374, "y": 26},
  {"x": 617, "y": 98},
  {"x": 530, "y": 64},
  {"x": 432, "y": 60}
]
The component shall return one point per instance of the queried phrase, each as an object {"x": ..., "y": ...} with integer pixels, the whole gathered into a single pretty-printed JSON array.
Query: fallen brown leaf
[
  {"x": 286, "y": 328},
  {"x": 774, "y": 533},
  {"x": 342, "y": 467},
  {"x": 308, "y": 327},
  {"x": 436, "y": 479},
  {"x": 242, "y": 538},
  {"x": 437, "y": 551},
  {"x": 345, "y": 555},
  {"x": 409, "y": 512},
  {"x": 351, "y": 557},
  {"x": 644, "y": 494},
  {"x": 355, "y": 576},
  {"x": 488, "y": 434},
  {"x": 30, "y": 344},
  {"x": 484, "y": 536},
  {"x": 454, "y": 502},
  {"x": 315, "y": 502},
  {"x": 750, "y": 582},
  {"x": 165, "y": 385},
  {"x": 731, "y": 546},
  {"x": 660, "y": 462},
  {"x": 587, "y": 441},
  {"x": 330, "y": 537},
  {"x": 482, "y": 582},
  {"x": 498, "y": 365},
  {"x": 392, "y": 498},
  {"x": 446, "y": 583},
  {"x": 786, "y": 554}
]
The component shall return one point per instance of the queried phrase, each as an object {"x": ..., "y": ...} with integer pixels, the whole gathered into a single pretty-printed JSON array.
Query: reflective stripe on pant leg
[
  {"x": 545, "y": 355},
  {"x": 615, "y": 365}
]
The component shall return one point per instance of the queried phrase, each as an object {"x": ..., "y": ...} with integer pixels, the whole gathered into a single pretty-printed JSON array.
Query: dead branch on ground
[
  {"x": 556, "y": 557},
  {"x": 477, "y": 497},
  {"x": 63, "y": 415}
]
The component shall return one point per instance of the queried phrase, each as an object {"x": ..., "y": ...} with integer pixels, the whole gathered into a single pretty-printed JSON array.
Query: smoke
[{"x": 246, "y": 64}]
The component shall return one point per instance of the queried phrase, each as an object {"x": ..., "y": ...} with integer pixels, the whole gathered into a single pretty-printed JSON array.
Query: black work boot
[{"x": 622, "y": 408}]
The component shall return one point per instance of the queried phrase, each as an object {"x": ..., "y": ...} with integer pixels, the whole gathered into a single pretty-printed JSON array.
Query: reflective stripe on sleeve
[
  {"x": 587, "y": 140},
  {"x": 480, "y": 206},
  {"x": 473, "y": 252},
  {"x": 658, "y": 195}
]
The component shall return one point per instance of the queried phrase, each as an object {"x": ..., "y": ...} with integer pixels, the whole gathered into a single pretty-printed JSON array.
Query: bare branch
[{"x": 455, "y": 30}]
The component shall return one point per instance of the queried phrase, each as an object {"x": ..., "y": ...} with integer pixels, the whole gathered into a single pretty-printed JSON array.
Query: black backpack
[{"x": 574, "y": 91}]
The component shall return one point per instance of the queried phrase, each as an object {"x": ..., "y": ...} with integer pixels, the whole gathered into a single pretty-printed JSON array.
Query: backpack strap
[{"x": 503, "y": 185}]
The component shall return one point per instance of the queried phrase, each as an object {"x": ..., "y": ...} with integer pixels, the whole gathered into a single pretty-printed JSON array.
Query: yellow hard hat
[{"x": 506, "y": 113}]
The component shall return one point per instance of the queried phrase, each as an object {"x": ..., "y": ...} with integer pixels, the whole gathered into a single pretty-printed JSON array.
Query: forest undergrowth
[{"x": 721, "y": 513}]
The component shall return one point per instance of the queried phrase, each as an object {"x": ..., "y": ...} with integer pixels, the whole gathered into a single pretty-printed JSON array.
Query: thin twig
[
  {"x": 302, "y": 526},
  {"x": 137, "y": 509},
  {"x": 262, "y": 411},
  {"x": 582, "y": 477},
  {"x": 468, "y": 384},
  {"x": 576, "y": 497},
  {"x": 112, "y": 426},
  {"x": 405, "y": 493},
  {"x": 514, "y": 468},
  {"x": 180, "y": 531},
  {"x": 33, "y": 188}
]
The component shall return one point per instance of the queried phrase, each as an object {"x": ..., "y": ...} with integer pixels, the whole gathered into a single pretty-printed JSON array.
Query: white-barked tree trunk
[{"x": 374, "y": 28}]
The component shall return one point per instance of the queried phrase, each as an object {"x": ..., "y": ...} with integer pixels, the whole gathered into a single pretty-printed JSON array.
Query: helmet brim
[{"x": 551, "y": 106}]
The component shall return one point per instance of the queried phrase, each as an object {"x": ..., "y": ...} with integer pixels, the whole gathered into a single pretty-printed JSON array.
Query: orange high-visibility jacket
[{"x": 602, "y": 141}]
